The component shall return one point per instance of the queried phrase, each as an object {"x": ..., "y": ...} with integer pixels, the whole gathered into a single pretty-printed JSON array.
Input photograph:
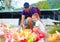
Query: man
[{"x": 27, "y": 13}]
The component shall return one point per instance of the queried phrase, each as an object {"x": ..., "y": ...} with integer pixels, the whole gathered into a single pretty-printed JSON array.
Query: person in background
[
  {"x": 26, "y": 21},
  {"x": 38, "y": 24}
]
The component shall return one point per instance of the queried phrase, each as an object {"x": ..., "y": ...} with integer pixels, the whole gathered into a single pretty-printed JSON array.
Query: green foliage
[
  {"x": 58, "y": 26},
  {"x": 1, "y": 8},
  {"x": 49, "y": 4},
  {"x": 52, "y": 32},
  {"x": 59, "y": 31},
  {"x": 43, "y": 5}
]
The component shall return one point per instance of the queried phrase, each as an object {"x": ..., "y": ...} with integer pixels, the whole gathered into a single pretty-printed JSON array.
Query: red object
[
  {"x": 23, "y": 40},
  {"x": 32, "y": 31},
  {"x": 38, "y": 10},
  {"x": 42, "y": 35},
  {"x": 9, "y": 36},
  {"x": 38, "y": 38}
]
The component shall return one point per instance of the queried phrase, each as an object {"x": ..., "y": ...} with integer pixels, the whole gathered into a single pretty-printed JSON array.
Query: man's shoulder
[
  {"x": 32, "y": 8},
  {"x": 23, "y": 10}
]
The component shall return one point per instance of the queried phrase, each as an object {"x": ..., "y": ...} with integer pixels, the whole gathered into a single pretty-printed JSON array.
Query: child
[
  {"x": 38, "y": 23},
  {"x": 39, "y": 27}
]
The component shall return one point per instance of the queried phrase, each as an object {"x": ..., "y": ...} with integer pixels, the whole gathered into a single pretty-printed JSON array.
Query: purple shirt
[{"x": 32, "y": 11}]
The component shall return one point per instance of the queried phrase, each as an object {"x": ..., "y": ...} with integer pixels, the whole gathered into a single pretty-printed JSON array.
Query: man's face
[{"x": 27, "y": 9}]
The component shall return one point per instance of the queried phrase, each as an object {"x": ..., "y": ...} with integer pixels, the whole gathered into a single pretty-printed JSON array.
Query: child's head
[{"x": 35, "y": 17}]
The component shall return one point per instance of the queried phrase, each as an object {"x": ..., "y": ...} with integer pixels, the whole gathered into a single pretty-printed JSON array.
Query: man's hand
[
  {"x": 23, "y": 25},
  {"x": 22, "y": 21}
]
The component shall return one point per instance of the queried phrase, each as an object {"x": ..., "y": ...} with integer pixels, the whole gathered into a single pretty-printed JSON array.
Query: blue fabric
[
  {"x": 26, "y": 22},
  {"x": 26, "y": 5}
]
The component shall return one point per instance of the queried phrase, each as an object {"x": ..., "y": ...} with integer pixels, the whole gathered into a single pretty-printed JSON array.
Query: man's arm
[{"x": 22, "y": 20}]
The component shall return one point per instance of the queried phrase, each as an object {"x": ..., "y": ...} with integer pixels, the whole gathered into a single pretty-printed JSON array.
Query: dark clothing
[{"x": 32, "y": 11}]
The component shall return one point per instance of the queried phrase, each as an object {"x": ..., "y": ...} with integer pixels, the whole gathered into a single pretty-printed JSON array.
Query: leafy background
[{"x": 49, "y": 4}]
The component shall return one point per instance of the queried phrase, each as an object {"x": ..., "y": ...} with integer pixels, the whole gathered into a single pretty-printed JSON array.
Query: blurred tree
[
  {"x": 8, "y": 4},
  {"x": 54, "y": 3},
  {"x": 43, "y": 5},
  {"x": 1, "y": 5}
]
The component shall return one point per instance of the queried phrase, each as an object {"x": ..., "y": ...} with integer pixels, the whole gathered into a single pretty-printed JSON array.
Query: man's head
[{"x": 26, "y": 6}]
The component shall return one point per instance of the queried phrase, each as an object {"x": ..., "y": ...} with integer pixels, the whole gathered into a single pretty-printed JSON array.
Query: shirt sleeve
[{"x": 23, "y": 12}]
